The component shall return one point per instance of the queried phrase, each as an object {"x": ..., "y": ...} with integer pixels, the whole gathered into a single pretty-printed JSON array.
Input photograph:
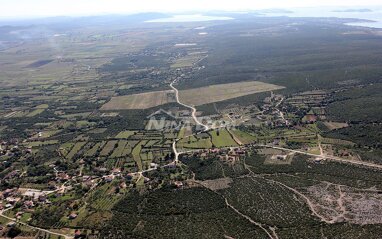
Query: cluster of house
[
  {"x": 26, "y": 198},
  {"x": 9, "y": 148},
  {"x": 115, "y": 173},
  {"x": 30, "y": 198},
  {"x": 91, "y": 181},
  {"x": 344, "y": 153},
  {"x": 231, "y": 154},
  {"x": 111, "y": 175},
  {"x": 270, "y": 113}
]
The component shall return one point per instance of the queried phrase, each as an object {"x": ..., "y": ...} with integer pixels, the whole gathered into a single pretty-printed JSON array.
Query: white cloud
[{"x": 80, "y": 7}]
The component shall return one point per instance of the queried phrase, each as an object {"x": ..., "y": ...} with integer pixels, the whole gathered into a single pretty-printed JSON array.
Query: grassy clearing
[
  {"x": 215, "y": 93},
  {"x": 137, "y": 154},
  {"x": 244, "y": 137},
  {"x": 195, "y": 143},
  {"x": 42, "y": 106},
  {"x": 221, "y": 138},
  {"x": 93, "y": 150},
  {"x": 35, "y": 112},
  {"x": 84, "y": 124},
  {"x": 128, "y": 149},
  {"x": 75, "y": 116},
  {"x": 181, "y": 133},
  {"x": 108, "y": 148},
  {"x": 76, "y": 148},
  {"x": 47, "y": 133},
  {"x": 66, "y": 147},
  {"x": 335, "y": 125},
  {"x": 151, "y": 143},
  {"x": 147, "y": 156},
  {"x": 97, "y": 131},
  {"x": 25, "y": 217},
  {"x": 125, "y": 134},
  {"x": 186, "y": 61},
  {"x": 42, "y": 143},
  {"x": 118, "y": 151}
]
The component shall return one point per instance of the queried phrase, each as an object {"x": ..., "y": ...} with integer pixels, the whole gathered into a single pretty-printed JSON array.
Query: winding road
[
  {"x": 206, "y": 128},
  {"x": 193, "y": 114},
  {"x": 32, "y": 227}
]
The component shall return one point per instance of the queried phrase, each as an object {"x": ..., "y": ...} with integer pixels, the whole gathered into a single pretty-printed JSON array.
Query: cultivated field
[
  {"x": 197, "y": 96},
  {"x": 215, "y": 93},
  {"x": 139, "y": 101},
  {"x": 186, "y": 61}
]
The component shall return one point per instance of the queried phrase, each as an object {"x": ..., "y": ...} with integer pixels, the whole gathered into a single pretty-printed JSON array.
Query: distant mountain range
[
  {"x": 13, "y": 30},
  {"x": 354, "y": 10},
  {"x": 276, "y": 10},
  {"x": 86, "y": 20}
]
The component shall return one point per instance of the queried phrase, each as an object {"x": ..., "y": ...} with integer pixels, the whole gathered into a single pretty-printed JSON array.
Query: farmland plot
[
  {"x": 93, "y": 150},
  {"x": 139, "y": 101},
  {"x": 215, "y": 93},
  {"x": 76, "y": 148},
  {"x": 221, "y": 138},
  {"x": 108, "y": 147}
]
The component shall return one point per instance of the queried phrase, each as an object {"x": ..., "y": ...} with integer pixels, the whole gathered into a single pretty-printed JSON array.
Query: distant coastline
[
  {"x": 363, "y": 17},
  {"x": 190, "y": 18},
  {"x": 354, "y": 10}
]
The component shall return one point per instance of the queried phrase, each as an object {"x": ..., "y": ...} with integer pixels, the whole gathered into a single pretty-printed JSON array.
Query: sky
[{"x": 43, "y": 8}]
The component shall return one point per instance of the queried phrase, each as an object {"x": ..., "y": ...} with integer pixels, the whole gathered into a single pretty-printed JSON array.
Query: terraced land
[
  {"x": 93, "y": 150},
  {"x": 108, "y": 148},
  {"x": 118, "y": 151},
  {"x": 76, "y": 148}
]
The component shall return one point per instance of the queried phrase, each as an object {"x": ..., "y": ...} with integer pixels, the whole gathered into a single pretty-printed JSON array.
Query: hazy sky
[{"x": 28, "y": 8}]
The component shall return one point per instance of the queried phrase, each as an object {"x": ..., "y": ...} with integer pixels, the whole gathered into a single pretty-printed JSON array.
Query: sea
[
  {"x": 367, "y": 16},
  {"x": 373, "y": 16},
  {"x": 191, "y": 18}
]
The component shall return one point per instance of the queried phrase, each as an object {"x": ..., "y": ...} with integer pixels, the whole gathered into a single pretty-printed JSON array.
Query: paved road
[
  {"x": 193, "y": 114},
  {"x": 176, "y": 159},
  {"x": 188, "y": 106}
]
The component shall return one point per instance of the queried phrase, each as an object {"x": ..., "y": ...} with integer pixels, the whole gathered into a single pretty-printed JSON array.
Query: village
[
  {"x": 79, "y": 150},
  {"x": 275, "y": 114}
]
